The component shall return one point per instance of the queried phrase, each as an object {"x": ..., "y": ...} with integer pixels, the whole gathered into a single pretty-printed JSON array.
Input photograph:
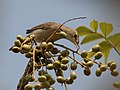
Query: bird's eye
[{"x": 75, "y": 36}]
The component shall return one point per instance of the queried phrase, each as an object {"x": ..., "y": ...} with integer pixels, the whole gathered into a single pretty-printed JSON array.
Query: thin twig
[
  {"x": 78, "y": 62},
  {"x": 67, "y": 48},
  {"x": 65, "y": 86},
  {"x": 34, "y": 73}
]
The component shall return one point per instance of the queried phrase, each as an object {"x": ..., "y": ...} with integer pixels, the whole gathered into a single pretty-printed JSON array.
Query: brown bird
[{"x": 43, "y": 31}]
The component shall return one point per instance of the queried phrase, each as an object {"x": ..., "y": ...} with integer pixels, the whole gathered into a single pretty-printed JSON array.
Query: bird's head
[{"x": 73, "y": 36}]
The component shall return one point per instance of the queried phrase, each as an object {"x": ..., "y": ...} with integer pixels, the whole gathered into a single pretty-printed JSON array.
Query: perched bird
[{"x": 43, "y": 31}]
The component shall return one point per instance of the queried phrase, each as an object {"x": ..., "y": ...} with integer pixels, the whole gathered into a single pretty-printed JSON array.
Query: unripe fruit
[
  {"x": 86, "y": 60},
  {"x": 65, "y": 60},
  {"x": 56, "y": 64},
  {"x": 64, "y": 67},
  {"x": 51, "y": 81},
  {"x": 113, "y": 66},
  {"x": 51, "y": 88},
  {"x": 49, "y": 46},
  {"x": 65, "y": 53},
  {"x": 29, "y": 55},
  {"x": 17, "y": 43},
  {"x": 19, "y": 37},
  {"x": 73, "y": 66},
  {"x": 30, "y": 78},
  {"x": 114, "y": 73},
  {"x": 41, "y": 72},
  {"x": 116, "y": 84},
  {"x": 73, "y": 75},
  {"x": 96, "y": 48},
  {"x": 48, "y": 76},
  {"x": 43, "y": 45},
  {"x": 89, "y": 63},
  {"x": 59, "y": 72},
  {"x": 110, "y": 62},
  {"x": 47, "y": 55},
  {"x": 28, "y": 87},
  {"x": 42, "y": 78},
  {"x": 45, "y": 84},
  {"x": 98, "y": 55},
  {"x": 98, "y": 72},
  {"x": 54, "y": 51},
  {"x": 37, "y": 87},
  {"x": 50, "y": 66},
  {"x": 63, "y": 34},
  {"x": 60, "y": 79},
  {"x": 69, "y": 80},
  {"x": 26, "y": 48},
  {"x": 87, "y": 71},
  {"x": 84, "y": 54},
  {"x": 16, "y": 49},
  {"x": 103, "y": 67}
]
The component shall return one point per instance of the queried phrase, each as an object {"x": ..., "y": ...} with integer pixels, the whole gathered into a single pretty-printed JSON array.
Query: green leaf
[
  {"x": 106, "y": 28},
  {"x": 115, "y": 40},
  {"x": 94, "y": 25},
  {"x": 105, "y": 49},
  {"x": 91, "y": 37},
  {"x": 82, "y": 30}
]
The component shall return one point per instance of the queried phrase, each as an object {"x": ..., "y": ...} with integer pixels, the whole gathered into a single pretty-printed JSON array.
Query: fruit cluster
[{"x": 46, "y": 57}]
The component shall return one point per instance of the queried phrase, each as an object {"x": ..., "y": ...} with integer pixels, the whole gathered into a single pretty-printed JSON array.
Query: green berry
[
  {"x": 103, "y": 67},
  {"x": 51, "y": 81},
  {"x": 60, "y": 79},
  {"x": 45, "y": 84},
  {"x": 73, "y": 75},
  {"x": 64, "y": 67},
  {"x": 110, "y": 62},
  {"x": 28, "y": 87},
  {"x": 73, "y": 65},
  {"x": 89, "y": 63},
  {"x": 56, "y": 64},
  {"x": 30, "y": 78},
  {"x": 59, "y": 72},
  {"x": 43, "y": 45},
  {"x": 37, "y": 87},
  {"x": 50, "y": 66},
  {"x": 69, "y": 80},
  {"x": 98, "y": 72},
  {"x": 65, "y": 60},
  {"x": 29, "y": 55},
  {"x": 47, "y": 54},
  {"x": 26, "y": 48},
  {"x": 87, "y": 71},
  {"x": 98, "y": 55},
  {"x": 96, "y": 48},
  {"x": 42, "y": 78},
  {"x": 114, "y": 73},
  {"x": 113, "y": 66},
  {"x": 84, "y": 54},
  {"x": 19, "y": 37},
  {"x": 41, "y": 72},
  {"x": 17, "y": 43},
  {"x": 65, "y": 53},
  {"x": 16, "y": 49},
  {"x": 49, "y": 46},
  {"x": 116, "y": 84},
  {"x": 54, "y": 51}
]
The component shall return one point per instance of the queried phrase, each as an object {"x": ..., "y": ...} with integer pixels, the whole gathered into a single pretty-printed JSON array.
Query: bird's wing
[{"x": 44, "y": 26}]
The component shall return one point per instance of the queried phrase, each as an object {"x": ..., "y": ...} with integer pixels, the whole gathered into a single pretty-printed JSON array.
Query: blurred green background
[{"x": 18, "y": 15}]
